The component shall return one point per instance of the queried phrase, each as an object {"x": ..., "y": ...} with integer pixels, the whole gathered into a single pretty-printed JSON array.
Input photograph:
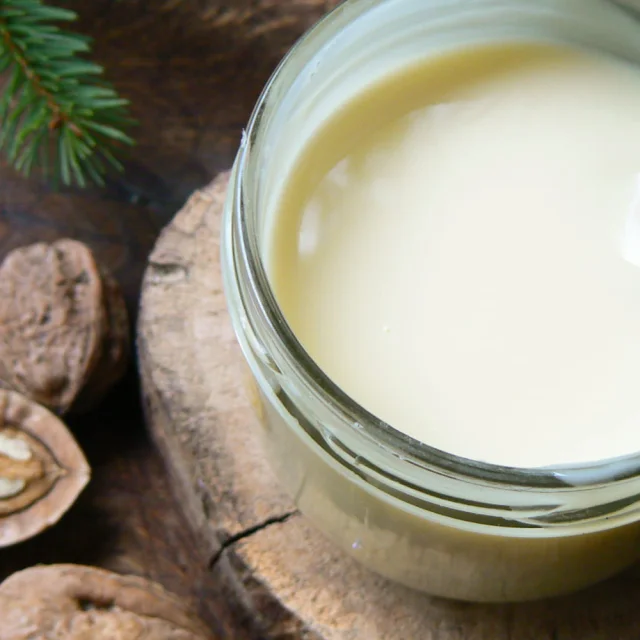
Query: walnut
[
  {"x": 63, "y": 326},
  {"x": 71, "y": 602},
  {"x": 42, "y": 470},
  {"x": 115, "y": 347}
]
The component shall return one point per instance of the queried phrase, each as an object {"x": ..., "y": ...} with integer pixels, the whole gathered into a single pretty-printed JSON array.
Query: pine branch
[{"x": 56, "y": 111}]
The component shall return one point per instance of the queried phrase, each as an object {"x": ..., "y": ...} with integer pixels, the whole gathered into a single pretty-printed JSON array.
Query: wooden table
[{"x": 192, "y": 71}]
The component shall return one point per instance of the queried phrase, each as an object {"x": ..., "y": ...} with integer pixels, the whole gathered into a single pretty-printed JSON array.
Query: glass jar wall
[{"x": 446, "y": 525}]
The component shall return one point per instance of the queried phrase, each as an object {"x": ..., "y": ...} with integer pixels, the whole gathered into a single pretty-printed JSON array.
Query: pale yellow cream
[{"x": 459, "y": 250}]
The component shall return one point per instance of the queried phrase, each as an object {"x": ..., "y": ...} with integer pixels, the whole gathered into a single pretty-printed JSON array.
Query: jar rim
[{"x": 246, "y": 256}]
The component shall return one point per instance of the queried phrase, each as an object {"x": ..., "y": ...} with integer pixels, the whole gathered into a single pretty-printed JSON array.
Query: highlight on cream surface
[{"x": 459, "y": 250}]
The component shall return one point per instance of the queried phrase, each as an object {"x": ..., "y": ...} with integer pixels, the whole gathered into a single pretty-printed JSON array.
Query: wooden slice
[{"x": 293, "y": 583}]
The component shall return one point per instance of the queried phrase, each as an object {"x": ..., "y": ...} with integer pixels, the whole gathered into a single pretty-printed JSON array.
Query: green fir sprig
[{"x": 57, "y": 113}]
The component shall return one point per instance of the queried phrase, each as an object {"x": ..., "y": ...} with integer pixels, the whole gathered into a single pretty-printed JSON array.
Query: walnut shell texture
[
  {"x": 115, "y": 349},
  {"x": 63, "y": 325},
  {"x": 42, "y": 469},
  {"x": 72, "y": 602}
]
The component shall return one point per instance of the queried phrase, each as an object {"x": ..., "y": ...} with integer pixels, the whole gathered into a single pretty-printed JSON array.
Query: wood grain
[{"x": 282, "y": 572}]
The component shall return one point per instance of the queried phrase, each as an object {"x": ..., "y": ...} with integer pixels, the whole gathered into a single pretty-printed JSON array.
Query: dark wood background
[{"x": 193, "y": 70}]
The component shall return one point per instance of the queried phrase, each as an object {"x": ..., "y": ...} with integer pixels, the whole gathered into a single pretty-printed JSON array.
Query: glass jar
[{"x": 450, "y": 526}]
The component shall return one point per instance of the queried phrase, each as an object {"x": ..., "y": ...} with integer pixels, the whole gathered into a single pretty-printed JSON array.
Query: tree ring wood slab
[{"x": 293, "y": 583}]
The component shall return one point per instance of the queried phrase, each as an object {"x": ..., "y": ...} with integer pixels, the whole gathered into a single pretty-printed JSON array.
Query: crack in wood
[{"x": 248, "y": 532}]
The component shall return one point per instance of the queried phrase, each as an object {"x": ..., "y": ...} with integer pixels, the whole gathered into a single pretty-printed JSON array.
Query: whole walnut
[
  {"x": 64, "y": 333},
  {"x": 72, "y": 602}
]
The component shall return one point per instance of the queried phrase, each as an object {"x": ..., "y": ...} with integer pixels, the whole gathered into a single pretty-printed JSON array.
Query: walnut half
[
  {"x": 72, "y": 602},
  {"x": 42, "y": 469}
]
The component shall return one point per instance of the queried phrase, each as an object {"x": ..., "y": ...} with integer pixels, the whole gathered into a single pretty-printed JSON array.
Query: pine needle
[{"x": 56, "y": 110}]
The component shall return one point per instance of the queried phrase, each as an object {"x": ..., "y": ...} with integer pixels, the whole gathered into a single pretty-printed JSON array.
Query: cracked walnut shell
[
  {"x": 42, "y": 469},
  {"x": 72, "y": 602},
  {"x": 63, "y": 326}
]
